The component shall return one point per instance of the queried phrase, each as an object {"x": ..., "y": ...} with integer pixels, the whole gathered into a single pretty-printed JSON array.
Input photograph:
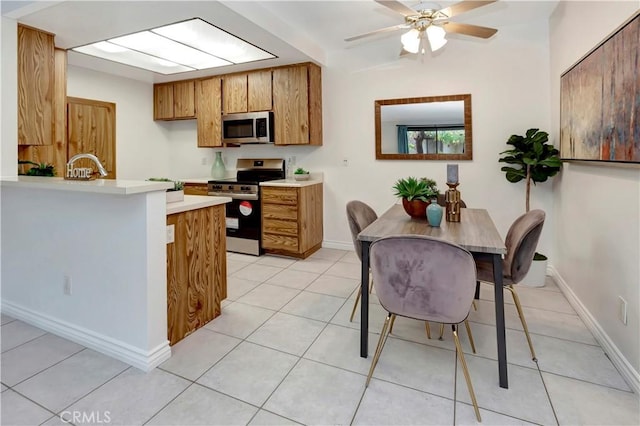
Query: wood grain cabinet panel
[
  {"x": 297, "y": 105},
  {"x": 163, "y": 102},
  {"x": 174, "y": 101},
  {"x": 209, "y": 106},
  {"x": 247, "y": 92},
  {"x": 196, "y": 270},
  {"x": 35, "y": 87},
  {"x": 259, "y": 91},
  {"x": 292, "y": 220},
  {"x": 195, "y": 188},
  {"x": 234, "y": 93}
]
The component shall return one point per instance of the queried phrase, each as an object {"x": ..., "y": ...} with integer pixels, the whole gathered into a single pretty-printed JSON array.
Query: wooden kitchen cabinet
[
  {"x": 36, "y": 79},
  {"x": 209, "y": 106},
  {"x": 292, "y": 220},
  {"x": 297, "y": 105},
  {"x": 191, "y": 188},
  {"x": 247, "y": 92},
  {"x": 196, "y": 270},
  {"x": 174, "y": 101}
]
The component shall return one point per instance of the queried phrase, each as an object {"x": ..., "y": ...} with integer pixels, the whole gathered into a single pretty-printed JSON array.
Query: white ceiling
[{"x": 294, "y": 31}]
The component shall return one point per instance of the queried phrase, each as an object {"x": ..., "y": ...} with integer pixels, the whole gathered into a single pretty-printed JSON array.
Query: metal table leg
[
  {"x": 500, "y": 325},
  {"x": 364, "y": 299}
]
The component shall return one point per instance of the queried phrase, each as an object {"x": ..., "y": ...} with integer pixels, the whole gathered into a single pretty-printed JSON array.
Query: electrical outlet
[
  {"x": 171, "y": 233},
  {"x": 67, "y": 285},
  {"x": 203, "y": 161},
  {"x": 292, "y": 160},
  {"x": 345, "y": 162},
  {"x": 622, "y": 310}
]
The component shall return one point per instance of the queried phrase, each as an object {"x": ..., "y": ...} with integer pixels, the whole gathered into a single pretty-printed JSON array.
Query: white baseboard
[
  {"x": 630, "y": 375},
  {"x": 144, "y": 360},
  {"x": 338, "y": 245}
]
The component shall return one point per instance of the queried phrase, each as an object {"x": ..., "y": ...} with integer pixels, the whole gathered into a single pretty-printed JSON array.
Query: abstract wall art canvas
[{"x": 600, "y": 101}]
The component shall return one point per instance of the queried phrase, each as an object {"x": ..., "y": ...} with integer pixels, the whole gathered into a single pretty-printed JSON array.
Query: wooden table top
[{"x": 476, "y": 231}]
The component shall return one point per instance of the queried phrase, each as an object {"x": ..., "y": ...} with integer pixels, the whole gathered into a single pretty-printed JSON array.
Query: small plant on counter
[
  {"x": 177, "y": 185},
  {"x": 39, "y": 169},
  {"x": 301, "y": 171}
]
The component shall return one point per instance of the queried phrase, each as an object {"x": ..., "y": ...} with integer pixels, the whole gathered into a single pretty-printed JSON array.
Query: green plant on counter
[
  {"x": 177, "y": 185},
  {"x": 39, "y": 169},
  {"x": 300, "y": 171},
  {"x": 413, "y": 188}
]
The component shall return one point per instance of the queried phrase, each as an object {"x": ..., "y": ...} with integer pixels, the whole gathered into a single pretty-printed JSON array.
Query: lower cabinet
[
  {"x": 196, "y": 188},
  {"x": 196, "y": 270},
  {"x": 292, "y": 220}
]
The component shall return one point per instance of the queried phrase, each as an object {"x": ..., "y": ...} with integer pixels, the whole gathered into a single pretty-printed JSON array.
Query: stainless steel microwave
[{"x": 250, "y": 127}]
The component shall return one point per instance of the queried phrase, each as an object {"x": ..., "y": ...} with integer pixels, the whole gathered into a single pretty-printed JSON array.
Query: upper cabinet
[
  {"x": 209, "y": 107},
  {"x": 36, "y": 79},
  {"x": 247, "y": 92},
  {"x": 174, "y": 101},
  {"x": 297, "y": 105}
]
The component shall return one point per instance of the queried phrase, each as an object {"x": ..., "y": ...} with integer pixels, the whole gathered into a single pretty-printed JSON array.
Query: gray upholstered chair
[
  {"x": 427, "y": 279},
  {"x": 521, "y": 243},
  {"x": 359, "y": 216}
]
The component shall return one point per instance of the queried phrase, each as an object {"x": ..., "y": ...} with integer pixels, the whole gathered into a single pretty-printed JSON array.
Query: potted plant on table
[
  {"x": 531, "y": 159},
  {"x": 415, "y": 194},
  {"x": 301, "y": 174}
]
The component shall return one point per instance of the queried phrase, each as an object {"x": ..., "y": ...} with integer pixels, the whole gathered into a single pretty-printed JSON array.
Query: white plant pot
[
  {"x": 175, "y": 196},
  {"x": 536, "y": 275}
]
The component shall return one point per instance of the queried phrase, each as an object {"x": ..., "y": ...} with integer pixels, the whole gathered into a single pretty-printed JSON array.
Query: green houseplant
[
  {"x": 531, "y": 159},
  {"x": 39, "y": 169},
  {"x": 301, "y": 174},
  {"x": 415, "y": 194},
  {"x": 173, "y": 194}
]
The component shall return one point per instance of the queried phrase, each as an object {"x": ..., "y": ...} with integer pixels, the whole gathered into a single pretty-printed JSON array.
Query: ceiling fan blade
[
  {"x": 396, "y": 6},
  {"x": 380, "y": 31},
  {"x": 464, "y": 6},
  {"x": 468, "y": 29}
]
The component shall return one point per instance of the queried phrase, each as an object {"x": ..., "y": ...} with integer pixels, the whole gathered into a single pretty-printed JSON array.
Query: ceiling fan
[{"x": 429, "y": 19}]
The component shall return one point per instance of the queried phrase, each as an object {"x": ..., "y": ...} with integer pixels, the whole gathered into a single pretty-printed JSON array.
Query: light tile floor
[{"x": 284, "y": 352}]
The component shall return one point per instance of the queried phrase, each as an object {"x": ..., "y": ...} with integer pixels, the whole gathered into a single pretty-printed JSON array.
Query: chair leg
[
  {"x": 473, "y": 345},
  {"x": 441, "y": 331},
  {"x": 475, "y": 307},
  {"x": 426, "y": 326},
  {"x": 393, "y": 321},
  {"x": 516, "y": 300},
  {"x": 381, "y": 341},
  {"x": 355, "y": 305},
  {"x": 465, "y": 370}
]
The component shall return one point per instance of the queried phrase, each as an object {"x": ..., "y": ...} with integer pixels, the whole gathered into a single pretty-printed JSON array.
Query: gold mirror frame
[{"x": 468, "y": 146}]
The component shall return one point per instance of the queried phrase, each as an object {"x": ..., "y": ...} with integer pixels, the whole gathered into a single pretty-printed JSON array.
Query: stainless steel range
[{"x": 244, "y": 215}]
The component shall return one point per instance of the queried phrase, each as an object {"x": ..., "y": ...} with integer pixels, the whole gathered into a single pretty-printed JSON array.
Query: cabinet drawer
[
  {"x": 279, "y": 242},
  {"x": 282, "y": 227},
  {"x": 279, "y": 211},
  {"x": 196, "y": 189},
  {"x": 280, "y": 195}
]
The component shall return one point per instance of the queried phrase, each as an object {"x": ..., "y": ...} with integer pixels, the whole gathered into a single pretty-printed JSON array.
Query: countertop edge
[
  {"x": 291, "y": 183},
  {"x": 194, "y": 202},
  {"x": 97, "y": 186}
]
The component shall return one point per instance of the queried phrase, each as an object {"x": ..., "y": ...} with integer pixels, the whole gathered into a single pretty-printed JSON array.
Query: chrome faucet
[{"x": 91, "y": 157}]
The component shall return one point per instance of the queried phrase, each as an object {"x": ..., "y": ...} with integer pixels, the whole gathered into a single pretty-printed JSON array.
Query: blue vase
[
  {"x": 434, "y": 213},
  {"x": 218, "y": 170}
]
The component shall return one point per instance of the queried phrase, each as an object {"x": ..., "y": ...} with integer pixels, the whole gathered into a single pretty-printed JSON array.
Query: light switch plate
[{"x": 171, "y": 233}]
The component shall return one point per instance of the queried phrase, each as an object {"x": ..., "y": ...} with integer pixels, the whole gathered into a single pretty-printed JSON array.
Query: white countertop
[
  {"x": 196, "y": 180},
  {"x": 97, "y": 186},
  {"x": 291, "y": 182},
  {"x": 193, "y": 202}
]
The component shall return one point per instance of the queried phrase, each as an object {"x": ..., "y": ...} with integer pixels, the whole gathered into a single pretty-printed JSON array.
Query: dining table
[{"x": 475, "y": 232}]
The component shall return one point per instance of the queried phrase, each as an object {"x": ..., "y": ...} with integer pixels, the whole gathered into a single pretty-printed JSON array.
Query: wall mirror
[{"x": 427, "y": 128}]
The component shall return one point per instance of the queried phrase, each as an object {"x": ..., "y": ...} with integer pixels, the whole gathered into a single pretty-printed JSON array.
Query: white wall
[
  {"x": 142, "y": 145},
  {"x": 596, "y": 207},
  {"x": 9, "y": 95}
]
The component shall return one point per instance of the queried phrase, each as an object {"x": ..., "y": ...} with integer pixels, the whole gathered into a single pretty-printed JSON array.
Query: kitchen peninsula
[{"x": 87, "y": 260}]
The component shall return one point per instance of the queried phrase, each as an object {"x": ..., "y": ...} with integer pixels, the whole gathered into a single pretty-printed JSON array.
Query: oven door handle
[{"x": 236, "y": 196}]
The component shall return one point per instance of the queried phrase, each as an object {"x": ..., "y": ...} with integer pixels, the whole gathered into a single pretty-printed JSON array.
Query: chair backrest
[
  {"x": 423, "y": 277},
  {"x": 521, "y": 243},
  {"x": 359, "y": 216},
  {"x": 442, "y": 202}
]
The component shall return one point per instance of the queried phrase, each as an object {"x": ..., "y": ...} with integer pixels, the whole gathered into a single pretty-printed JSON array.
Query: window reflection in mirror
[{"x": 427, "y": 128}]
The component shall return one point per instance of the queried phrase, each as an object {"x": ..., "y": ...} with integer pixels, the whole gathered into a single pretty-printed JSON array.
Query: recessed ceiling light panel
[{"x": 184, "y": 46}]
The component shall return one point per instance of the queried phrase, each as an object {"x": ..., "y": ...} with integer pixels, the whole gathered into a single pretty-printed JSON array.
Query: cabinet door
[
  {"x": 35, "y": 87},
  {"x": 163, "y": 102},
  {"x": 234, "y": 93},
  {"x": 196, "y": 189},
  {"x": 209, "y": 112},
  {"x": 184, "y": 104},
  {"x": 91, "y": 129},
  {"x": 291, "y": 105},
  {"x": 259, "y": 91}
]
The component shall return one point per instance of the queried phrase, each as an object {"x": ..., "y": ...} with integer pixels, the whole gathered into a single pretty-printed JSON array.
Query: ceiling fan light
[
  {"x": 436, "y": 36},
  {"x": 411, "y": 41}
]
